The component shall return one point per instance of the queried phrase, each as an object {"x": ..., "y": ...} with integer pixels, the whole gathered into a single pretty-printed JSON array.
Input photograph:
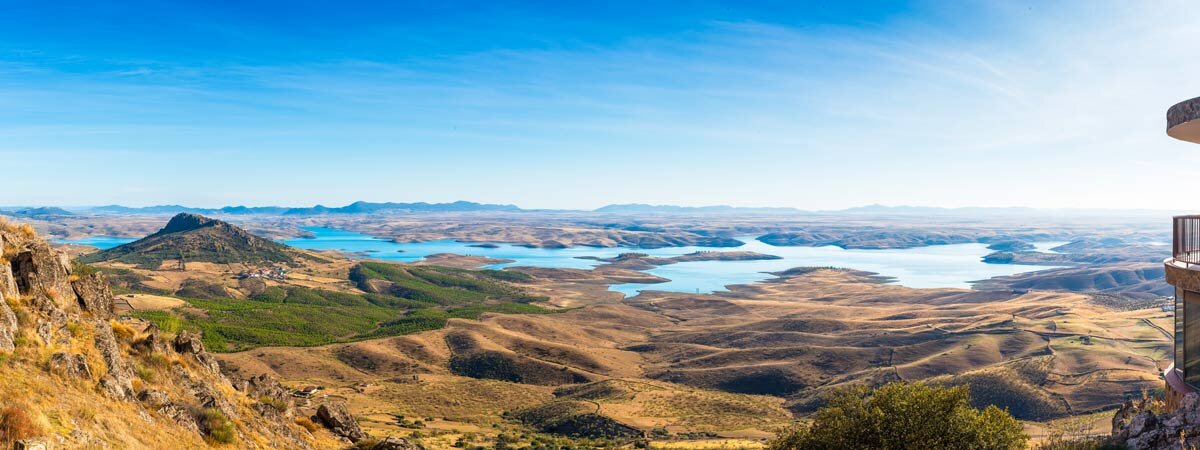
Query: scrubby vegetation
[
  {"x": 124, "y": 281},
  {"x": 904, "y": 416},
  {"x": 441, "y": 285},
  {"x": 575, "y": 419},
  {"x": 504, "y": 366},
  {"x": 300, "y": 316},
  {"x": 219, "y": 428},
  {"x": 1010, "y": 389},
  {"x": 197, "y": 288}
]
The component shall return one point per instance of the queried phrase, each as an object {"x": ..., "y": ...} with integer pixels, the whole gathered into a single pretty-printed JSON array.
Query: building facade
[{"x": 1183, "y": 272}]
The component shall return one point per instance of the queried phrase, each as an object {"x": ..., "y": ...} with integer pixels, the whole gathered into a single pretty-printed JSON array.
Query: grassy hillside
[{"x": 411, "y": 299}]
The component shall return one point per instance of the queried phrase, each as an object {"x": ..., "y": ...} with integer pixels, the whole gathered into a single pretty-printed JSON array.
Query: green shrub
[
  {"x": 143, "y": 372},
  {"x": 279, "y": 404},
  {"x": 167, "y": 322},
  {"x": 904, "y": 416},
  {"x": 273, "y": 294},
  {"x": 219, "y": 427}
]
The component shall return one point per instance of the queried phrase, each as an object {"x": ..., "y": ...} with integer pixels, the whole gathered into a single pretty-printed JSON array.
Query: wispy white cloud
[{"x": 1054, "y": 105}]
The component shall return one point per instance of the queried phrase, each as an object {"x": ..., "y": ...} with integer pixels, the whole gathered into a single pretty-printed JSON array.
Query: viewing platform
[
  {"x": 1183, "y": 272},
  {"x": 1183, "y": 120}
]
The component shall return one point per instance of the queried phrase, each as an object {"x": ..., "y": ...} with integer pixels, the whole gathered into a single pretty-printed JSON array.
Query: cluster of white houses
[{"x": 271, "y": 273}]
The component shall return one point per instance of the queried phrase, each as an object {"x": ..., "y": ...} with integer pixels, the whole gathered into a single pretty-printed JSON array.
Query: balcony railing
[{"x": 1185, "y": 239}]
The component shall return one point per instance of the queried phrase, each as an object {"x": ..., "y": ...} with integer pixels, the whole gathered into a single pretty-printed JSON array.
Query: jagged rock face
[
  {"x": 340, "y": 422},
  {"x": 263, "y": 386},
  {"x": 180, "y": 415},
  {"x": 32, "y": 269},
  {"x": 190, "y": 344},
  {"x": 31, "y": 444},
  {"x": 395, "y": 443},
  {"x": 70, "y": 366},
  {"x": 119, "y": 380},
  {"x": 41, "y": 270},
  {"x": 186, "y": 222},
  {"x": 8, "y": 290},
  {"x": 1142, "y": 429},
  {"x": 154, "y": 341},
  {"x": 37, "y": 279},
  {"x": 8, "y": 325},
  {"x": 94, "y": 295},
  {"x": 159, "y": 401},
  {"x": 154, "y": 399},
  {"x": 8, "y": 286}
]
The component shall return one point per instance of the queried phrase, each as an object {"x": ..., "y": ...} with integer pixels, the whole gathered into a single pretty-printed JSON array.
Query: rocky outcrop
[
  {"x": 153, "y": 342},
  {"x": 31, "y": 444},
  {"x": 8, "y": 322},
  {"x": 340, "y": 422},
  {"x": 118, "y": 382},
  {"x": 268, "y": 391},
  {"x": 94, "y": 295},
  {"x": 70, "y": 366},
  {"x": 1136, "y": 424},
  {"x": 395, "y": 443},
  {"x": 41, "y": 271},
  {"x": 160, "y": 402},
  {"x": 189, "y": 343},
  {"x": 177, "y": 382}
]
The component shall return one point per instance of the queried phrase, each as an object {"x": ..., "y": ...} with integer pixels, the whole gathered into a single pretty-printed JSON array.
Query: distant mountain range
[
  {"x": 641, "y": 208},
  {"x": 45, "y": 211},
  {"x": 353, "y": 208},
  {"x": 992, "y": 211},
  {"x": 362, "y": 207}
]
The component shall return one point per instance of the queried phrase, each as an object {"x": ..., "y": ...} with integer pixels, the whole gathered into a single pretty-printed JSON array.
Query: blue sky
[{"x": 816, "y": 105}]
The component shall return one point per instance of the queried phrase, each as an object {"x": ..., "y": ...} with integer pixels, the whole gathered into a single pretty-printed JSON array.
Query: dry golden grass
[
  {"x": 821, "y": 330},
  {"x": 124, "y": 333},
  {"x": 27, "y": 230},
  {"x": 15, "y": 424},
  {"x": 149, "y": 302},
  {"x": 307, "y": 424}
]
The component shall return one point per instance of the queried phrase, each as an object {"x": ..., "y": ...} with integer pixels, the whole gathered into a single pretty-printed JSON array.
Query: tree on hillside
[{"x": 904, "y": 416}]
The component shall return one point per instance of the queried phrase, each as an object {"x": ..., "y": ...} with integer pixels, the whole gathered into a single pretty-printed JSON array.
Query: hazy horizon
[
  {"x": 867, "y": 207},
  {"x": 816, "y": 107}
]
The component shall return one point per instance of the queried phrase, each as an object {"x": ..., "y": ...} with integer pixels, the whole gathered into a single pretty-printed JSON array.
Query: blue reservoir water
[
  {"x": 936, "y": 266},
  {"x": 923, "y": 267},
  {"x": 100, "y": 242},
  {"x": 382, "y": 249}
]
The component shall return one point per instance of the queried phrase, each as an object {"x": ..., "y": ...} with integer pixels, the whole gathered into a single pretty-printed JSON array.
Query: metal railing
[{"x": 1185, "y": 239}]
